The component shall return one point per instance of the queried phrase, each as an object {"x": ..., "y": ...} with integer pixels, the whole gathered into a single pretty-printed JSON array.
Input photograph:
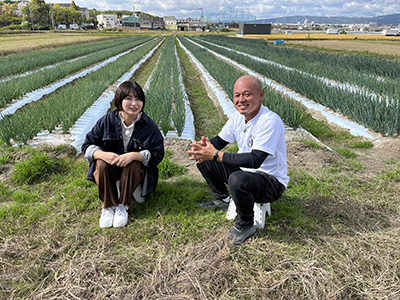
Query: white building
[
  {"x": 107, "y": 21},
  {"x": 20, "y": 6},
  {"x": 332, "y": 31},
  {"x": 170, "y": 23},
  {"x": 190, "y": 24},
  {"x": 391, "y": 31}
]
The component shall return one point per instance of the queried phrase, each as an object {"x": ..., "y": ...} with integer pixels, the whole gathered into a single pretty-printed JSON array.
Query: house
[
  {"x": 107, "y": 21},
  {"x": 170, "y": 23},
  {"x": 128, "y": 21},
  {"x": 150, "y": 22}
]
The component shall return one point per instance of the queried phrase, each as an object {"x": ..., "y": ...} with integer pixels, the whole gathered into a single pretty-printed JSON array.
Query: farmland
[
  {"x": 389, "y": 48},
  {"x": 10, "y": 44},
  {"x": 333, "y": 235}
]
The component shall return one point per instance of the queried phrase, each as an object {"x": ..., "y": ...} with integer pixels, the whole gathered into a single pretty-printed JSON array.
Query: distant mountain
[{"x": 393, "y": 19}]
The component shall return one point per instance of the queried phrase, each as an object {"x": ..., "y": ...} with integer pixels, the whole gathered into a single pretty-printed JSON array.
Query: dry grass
[
  {"x": 324, "y": 36},
  {"x": 333, "y": 239},
  {"x": 16, "y": 43},
  {"x": 392, "y": 49},
  {"x": 67, "y": 260}
]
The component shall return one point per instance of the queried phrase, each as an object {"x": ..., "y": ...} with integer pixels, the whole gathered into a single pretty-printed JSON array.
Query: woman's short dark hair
[{"x": 124, "y": 90}]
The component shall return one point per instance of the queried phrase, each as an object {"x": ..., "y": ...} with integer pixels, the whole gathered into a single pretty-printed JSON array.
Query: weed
[
  {"x": 4, "y": 192},
  {"x": 361, "y": 144},
  {"x": 391, "y": 176},
  {"x": 345, "y": 152},
  {"x": 168, "y": 168},
  {"x": 35, "y": 168},
  {"x": 311, "y": 143},
  {"x": 391, "y": 161},
  {"x": 22, "y": 196},
  {"x": 4, "y": 158}
]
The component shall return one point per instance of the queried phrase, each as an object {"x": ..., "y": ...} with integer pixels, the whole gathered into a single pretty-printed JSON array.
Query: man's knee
[{"x": 239, "y": 180}]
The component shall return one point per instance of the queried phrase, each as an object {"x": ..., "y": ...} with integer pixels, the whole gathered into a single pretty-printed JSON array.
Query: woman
[{"x": 125, "y": 145}]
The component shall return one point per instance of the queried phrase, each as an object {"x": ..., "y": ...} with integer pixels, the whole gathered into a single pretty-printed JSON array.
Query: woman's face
[{"x": 132, "y": 106}]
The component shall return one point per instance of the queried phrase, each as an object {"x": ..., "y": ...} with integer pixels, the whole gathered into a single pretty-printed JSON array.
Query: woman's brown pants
[{"x": 106, "y": 176}]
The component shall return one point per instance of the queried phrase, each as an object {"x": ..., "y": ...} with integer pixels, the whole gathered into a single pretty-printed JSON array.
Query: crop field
[
  {"x": 324, "y": 36},
  {"x": 333, "y": 235},
  {"x": 11, "y": 43},
  {"x": 389, "y": 48}
]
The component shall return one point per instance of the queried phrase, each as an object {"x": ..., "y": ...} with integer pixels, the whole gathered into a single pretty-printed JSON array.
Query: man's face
[{"x": 247, "y": 96}]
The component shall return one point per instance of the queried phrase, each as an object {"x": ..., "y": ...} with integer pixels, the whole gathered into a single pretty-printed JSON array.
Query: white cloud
[{"x": 260, "y": 8}]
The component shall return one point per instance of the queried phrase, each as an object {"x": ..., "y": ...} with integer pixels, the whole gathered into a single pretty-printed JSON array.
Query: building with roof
[
  {"x": 170, "y": 23},
  {"x": 150, "y": 22},
  {"x": 190, "y": 24},
  {"x": 128, "y": 21},
  {"x": 107, "y": 21}
]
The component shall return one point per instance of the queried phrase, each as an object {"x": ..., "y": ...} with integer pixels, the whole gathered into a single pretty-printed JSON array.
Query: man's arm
[
  {"x": 252, "y": 159},
  {"x": 218, "y": 143}
]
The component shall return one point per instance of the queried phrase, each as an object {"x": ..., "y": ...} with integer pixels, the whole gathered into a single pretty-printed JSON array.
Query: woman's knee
[{"x": 102, "y": 166}]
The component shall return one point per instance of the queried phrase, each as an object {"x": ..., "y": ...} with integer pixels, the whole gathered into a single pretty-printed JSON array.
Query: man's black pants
[{"x": 245, "y": 188}]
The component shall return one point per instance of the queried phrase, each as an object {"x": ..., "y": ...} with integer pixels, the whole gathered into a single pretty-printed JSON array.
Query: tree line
[{"x": 37, "y": 15}]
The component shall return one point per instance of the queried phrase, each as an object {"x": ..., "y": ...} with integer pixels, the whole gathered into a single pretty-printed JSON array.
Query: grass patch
[
  {"x": 361, "y": 144},
  {"x": 35, "y": 168},
  {"x": 311, "y": 143},
  {"x": 391, "y": 176},
  {"x": 334, "y": 137},
  {"x": 41, "y": 165},
  {"x": 168, "y": 168},
  {"x": 326, "y": 228},
  {"x": 345, "y": 152}
]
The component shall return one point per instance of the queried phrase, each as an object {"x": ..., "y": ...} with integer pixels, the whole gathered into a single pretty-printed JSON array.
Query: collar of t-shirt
[{"x": 128, "y": 130}]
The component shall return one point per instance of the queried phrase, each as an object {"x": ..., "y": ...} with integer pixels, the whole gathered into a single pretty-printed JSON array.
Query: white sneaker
[
  {"x": 120, "y": 216},
  {"x": 137, "y": 194},
  {"x": 107, "y": 217}
]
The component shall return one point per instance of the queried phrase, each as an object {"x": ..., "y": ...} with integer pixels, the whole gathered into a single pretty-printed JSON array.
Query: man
[{"x": 258, "y": 172}]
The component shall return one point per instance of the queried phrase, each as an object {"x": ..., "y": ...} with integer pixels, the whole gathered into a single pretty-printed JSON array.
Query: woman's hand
[
  {"x": 108, "y": 157},
  {"x": 125, "y": 159},
  {"x": 118, "y": 160}
]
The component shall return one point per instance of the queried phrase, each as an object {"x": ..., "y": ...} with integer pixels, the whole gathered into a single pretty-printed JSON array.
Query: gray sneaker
[
  {"x": 237, "y": 236},
  {"x": 216, "y": 204}
]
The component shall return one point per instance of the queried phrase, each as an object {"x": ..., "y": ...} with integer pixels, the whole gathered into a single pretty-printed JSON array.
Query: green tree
[
  {"x": 59, "y": 14},
  {"x": 37, "y": 13},
  {"x": 93, "y": 15},
  {"x": 74, "y": 16},
  {"x": 73, "y": 6},
  {"x": 8, "y": 15}
]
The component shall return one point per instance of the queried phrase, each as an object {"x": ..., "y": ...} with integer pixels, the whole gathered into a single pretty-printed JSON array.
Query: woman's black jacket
[{"x": 107, "y": 134}]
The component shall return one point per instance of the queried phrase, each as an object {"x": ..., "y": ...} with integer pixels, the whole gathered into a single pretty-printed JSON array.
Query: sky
[{"x": 258, "y": 9}]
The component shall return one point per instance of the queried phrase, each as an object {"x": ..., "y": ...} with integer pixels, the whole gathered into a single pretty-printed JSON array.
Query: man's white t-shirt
[{"x": 265, "y": 132}]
